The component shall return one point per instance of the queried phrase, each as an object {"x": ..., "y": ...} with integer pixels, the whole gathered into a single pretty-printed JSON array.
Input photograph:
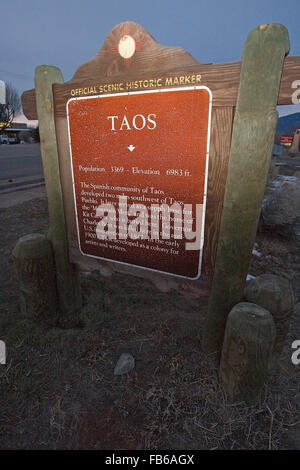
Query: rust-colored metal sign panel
[{"x": 139, "y": 163}]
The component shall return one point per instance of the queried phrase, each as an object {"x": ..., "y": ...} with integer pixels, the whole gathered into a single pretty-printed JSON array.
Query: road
[{"x": 20, "y": 162}]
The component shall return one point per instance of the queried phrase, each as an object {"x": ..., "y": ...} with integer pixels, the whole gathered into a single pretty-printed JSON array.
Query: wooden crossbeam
[{"x": 223, "y": 80}]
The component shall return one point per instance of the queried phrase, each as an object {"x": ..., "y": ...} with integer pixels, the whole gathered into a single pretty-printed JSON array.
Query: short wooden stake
[
  {"x": 250, "y": 155},
  {"x": 34, "y": 263},
  {"x": 68, "y": 285},
  {"x": 248, "y": 345},
  {"x": 275, "y": 294}
]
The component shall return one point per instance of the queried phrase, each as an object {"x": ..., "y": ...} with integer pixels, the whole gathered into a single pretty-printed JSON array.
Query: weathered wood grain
[
  {"x": 275, "y": 294},
  {"x": 68, "y": 285},
  {"x": 222, "y": 79},
  {"x": 220, "y": 137},
  {"x": 35, "y": 268},
  {"x": 155, "y": 61},
  {"x": 149, "y": 55},
  {"x": 250, "y": 155},
  {"x": 247, "y": 349}
]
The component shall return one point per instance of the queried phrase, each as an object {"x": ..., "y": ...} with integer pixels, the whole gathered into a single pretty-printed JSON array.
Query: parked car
[{"x": 4, "y": 139}]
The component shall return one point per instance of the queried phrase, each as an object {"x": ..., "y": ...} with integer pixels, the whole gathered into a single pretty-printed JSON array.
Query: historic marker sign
[
  {"x": 139, "y": 160},
  {"x": 132, "y": 141}
]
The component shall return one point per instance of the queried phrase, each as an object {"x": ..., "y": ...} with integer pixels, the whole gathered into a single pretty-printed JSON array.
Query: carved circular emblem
[{"x": 126, "y": 46}]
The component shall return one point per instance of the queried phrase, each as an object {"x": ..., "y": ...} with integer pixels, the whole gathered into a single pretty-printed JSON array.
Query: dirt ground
[{"x": 58, "y": 390}]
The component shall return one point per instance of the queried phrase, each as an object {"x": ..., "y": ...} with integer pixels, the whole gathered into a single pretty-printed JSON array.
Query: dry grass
[{"x": 58, "y": 390}]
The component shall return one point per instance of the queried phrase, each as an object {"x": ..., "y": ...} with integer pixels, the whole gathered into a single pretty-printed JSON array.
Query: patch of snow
[
  {"x": 256, "y": 253},
  {"x": 282, "y": 178}
]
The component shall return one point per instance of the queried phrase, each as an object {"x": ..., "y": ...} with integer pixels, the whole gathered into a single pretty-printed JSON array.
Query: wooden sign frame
[{"x": 245, "y": 96}]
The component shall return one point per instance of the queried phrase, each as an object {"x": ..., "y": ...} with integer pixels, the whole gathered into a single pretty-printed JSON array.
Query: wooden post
[
  {"x": 250, "y": 155},
  {"x": 34, "y": 263},
  {"x": 275, "y": 294},
  {"x": 248, "y": 344},
  {"x": 68, "y": 285}
]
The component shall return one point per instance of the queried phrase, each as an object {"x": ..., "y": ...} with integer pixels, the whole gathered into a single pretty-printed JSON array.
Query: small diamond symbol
[{"x": 131, "y": 147}]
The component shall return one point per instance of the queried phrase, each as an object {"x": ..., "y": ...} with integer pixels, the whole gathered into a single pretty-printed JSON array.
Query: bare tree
[{"x": 11, "y": 107}]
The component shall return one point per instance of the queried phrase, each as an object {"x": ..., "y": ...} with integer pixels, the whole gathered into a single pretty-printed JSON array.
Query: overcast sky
[{"x": 67, "y": 33}]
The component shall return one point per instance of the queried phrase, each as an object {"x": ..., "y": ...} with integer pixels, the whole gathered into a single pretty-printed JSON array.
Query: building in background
[
  {"x": 286, "y": 140},
  {"x": 295, "y": 147},
  {"x": 14, "y": 133}
]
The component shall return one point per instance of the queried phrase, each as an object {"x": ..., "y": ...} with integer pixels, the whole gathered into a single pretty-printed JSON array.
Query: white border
[{"x": 205, "y": 182}]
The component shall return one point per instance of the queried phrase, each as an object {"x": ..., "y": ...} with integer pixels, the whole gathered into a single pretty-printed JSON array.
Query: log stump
[
  {"x": 34, "y": 263},
  {"x": 248, "y": 344},
  {"x": 275, "y": 294}
]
